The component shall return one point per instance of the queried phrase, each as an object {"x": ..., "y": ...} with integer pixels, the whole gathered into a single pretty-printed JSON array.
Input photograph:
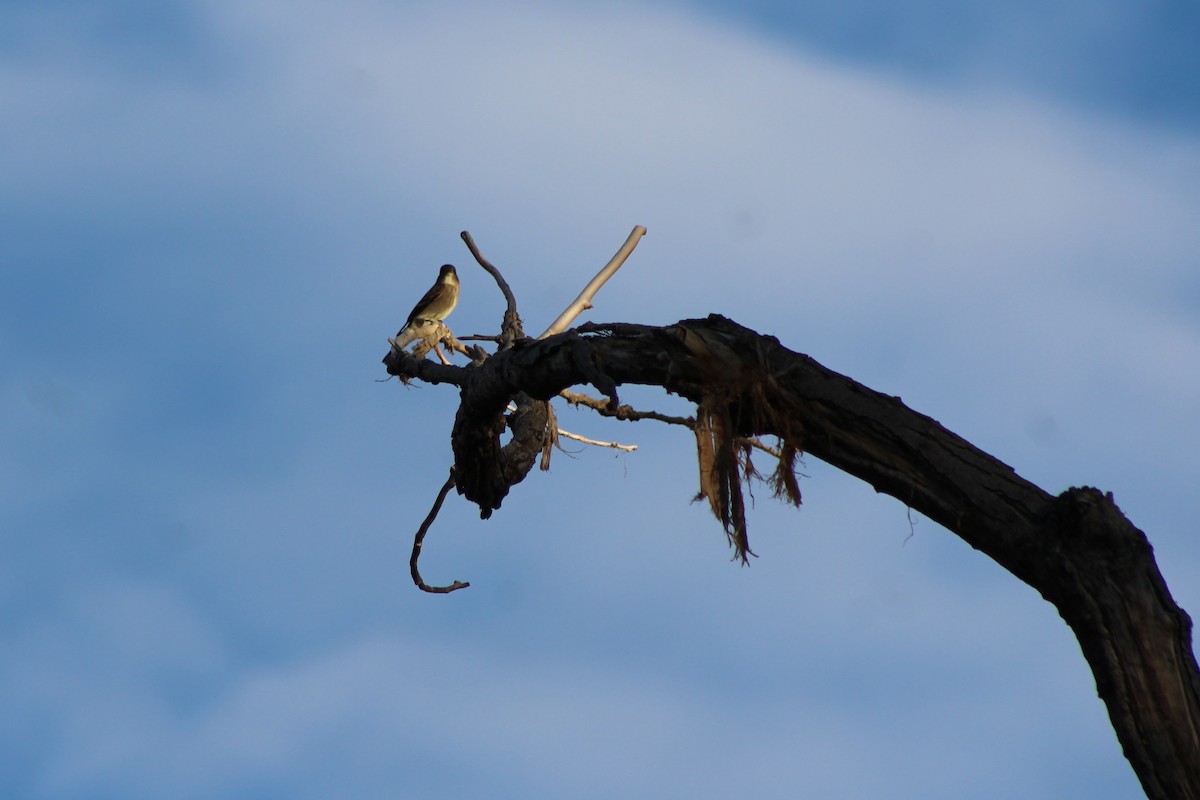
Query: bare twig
[
  {"x": 420, "y": 538},
  {"x": 559, "y": 431},
  {"x": 760, "y": 445},
  {"x": 511, "y": 329},
  {"x": 584, "y": 301},
  {"x": 630, "y": 414},
  {"x": 628, "y": 448},
  {"x": 622, "y": 412}
]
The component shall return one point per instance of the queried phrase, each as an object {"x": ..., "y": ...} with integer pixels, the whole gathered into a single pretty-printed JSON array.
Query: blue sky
[{"x": 213, "y": 214}]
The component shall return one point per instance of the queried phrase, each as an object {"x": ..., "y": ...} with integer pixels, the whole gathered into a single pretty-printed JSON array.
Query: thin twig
[
  {"x": 584, "y": 301},
  {"x": 495, "y": 273},
  {"x": 759, "y": 444},
  {"x": 420, "y": 537},
  {"x": 511, "y": 329},
  {"x": 632, "y": 415},
  {"x": 622, "y": 412},
  {"x": 628, "y": 448}
]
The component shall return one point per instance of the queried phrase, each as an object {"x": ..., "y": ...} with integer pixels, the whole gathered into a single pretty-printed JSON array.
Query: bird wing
[{"x": 430, "y": 297}]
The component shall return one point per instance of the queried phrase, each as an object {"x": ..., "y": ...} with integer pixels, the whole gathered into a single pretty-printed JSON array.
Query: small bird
[{"x": 438, "y": 302}]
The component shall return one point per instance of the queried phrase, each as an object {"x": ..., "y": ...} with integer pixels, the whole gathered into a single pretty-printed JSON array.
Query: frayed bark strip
[
  {"x": 720, "y": 475},
  {"x": 783, "y": 480}
]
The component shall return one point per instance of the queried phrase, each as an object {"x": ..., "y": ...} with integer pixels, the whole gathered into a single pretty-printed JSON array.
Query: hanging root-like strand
[{"x": 419, "y": 540}]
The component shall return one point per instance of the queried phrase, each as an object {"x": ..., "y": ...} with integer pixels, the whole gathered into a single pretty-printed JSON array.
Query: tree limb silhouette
[{"x": 1076, "y": 549}]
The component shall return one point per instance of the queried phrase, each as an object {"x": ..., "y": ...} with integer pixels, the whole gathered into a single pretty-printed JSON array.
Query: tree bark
[{"x": 1076, "y": 549}]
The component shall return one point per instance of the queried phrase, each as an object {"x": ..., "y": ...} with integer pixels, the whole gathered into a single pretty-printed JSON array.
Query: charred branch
[
  {"x": 419, "y": 541},
  {"x": 1076, "y": 549},
  {"x": 510, "y": 327}
]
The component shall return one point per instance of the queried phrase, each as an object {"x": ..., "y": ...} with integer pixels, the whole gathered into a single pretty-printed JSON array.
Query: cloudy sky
[{"x": 212, "y": 215}]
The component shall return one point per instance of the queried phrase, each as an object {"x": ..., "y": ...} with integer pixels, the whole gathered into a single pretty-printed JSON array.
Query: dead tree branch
[
  {"x": 510, "y": 327},
  {"x": 1076, "y": 549},
  {"x": 622, "y": 412},
  {"x": 584, "y": 301},
  {"x": 487, "y": 471}
]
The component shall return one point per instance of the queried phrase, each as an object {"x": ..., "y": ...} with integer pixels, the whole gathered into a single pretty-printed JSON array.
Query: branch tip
[{"x": 584, "y": 301}]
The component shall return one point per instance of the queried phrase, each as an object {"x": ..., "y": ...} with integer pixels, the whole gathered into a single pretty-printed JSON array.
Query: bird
[{"x": 438, "y": 302}]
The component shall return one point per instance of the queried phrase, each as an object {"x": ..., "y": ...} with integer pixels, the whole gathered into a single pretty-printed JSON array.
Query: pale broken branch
[
  {"x": 584, "y": 301},
  {"x": 628, "y": 448}
]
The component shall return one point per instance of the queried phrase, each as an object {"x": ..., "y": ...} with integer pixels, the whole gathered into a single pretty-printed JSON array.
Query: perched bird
[{"x": 438, "y": 302}]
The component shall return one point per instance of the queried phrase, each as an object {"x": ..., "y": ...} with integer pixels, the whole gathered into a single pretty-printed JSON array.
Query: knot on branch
[{"x": 1088, "y": 524}]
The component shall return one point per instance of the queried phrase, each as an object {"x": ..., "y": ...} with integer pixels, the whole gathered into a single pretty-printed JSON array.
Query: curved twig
[
  {"x": 420, "y": 538},
  {"x": 511, "y": 329}
]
